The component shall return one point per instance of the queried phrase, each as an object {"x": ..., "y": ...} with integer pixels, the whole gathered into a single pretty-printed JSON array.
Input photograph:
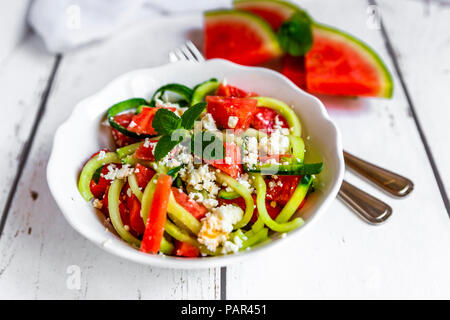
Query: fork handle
[
  {"x": 366, "y": 206},
  {"x": 390, "y": 182}
]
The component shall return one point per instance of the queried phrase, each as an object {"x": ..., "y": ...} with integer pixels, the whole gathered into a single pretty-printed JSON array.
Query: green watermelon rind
[
  {"x": 363, "y": 48},
  {"x": 261, "y": 27},
  {"x": 282, "y": 5}
]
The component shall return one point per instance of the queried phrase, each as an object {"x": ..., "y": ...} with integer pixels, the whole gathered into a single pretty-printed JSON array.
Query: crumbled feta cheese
[
  {"x": 275, "y": 144},
  {"x": 200, "y": 178},
  {"x": 116, "y": 173},
  {"x": 229, "y": 247},
  {"x": 165, "y": 104},
  {"x": 250, "y": 157},
  {"x": 208, "y": 122},
  {"x": 101, "y": 155},
  {"x": 129, "y": 192},
  {"x": 244, "y": 180},
  {"x": 232, "y": 121},
  {"x": 218, "y": 224},
  {"x": 210, "y": 203},
  {"x": 132, "y": 124},
  {"x": 177, "y": 156}
]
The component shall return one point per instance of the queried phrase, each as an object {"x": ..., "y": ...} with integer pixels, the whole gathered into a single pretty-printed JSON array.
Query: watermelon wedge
[
  {"x": 340, "y": 64},
  {"x": 240, "y": 37},
  {"x": 273, "y": 11}
]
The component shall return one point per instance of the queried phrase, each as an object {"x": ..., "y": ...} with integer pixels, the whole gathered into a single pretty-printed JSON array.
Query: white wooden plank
[
  {"x": 38, "y": 245},
  {"x": 23, "y": 78},
  {"x": 422, "y": 45},
  {"x": 343, "y": 257}
]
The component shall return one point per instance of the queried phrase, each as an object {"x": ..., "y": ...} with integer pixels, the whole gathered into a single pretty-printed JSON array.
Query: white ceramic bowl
[{"x": 82, "y": 135}]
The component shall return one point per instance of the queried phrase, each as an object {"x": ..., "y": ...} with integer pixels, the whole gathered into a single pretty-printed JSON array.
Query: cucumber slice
[
  {"x": 130, "y": 104},
  {"x": 202, "y": 89},
  {"x": 228, "y": 195},
  {"x": 294, "y": 169},
  {"x": 180, "y": 89}
]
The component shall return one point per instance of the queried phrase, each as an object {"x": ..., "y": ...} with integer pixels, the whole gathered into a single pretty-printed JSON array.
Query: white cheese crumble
[
  {"x": 165, "y": 104},
  {"x": 275, "y": 144},
  {"x": 177, "y": 156},
  {"x": 217, "y": 225},
  {"x": 200, "y": 178},
  {"x": 251, "y": 153},
  {"x": 244, "y": 179},
  {"x": 116, "y": 173},
  {"x": 232, "y": 122},
  {"x": 101, "y": 155},
  {"x": 208, "y": 122}
]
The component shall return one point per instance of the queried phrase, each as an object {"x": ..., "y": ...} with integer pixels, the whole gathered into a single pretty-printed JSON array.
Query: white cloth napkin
[{"x": 67, "y": 24}]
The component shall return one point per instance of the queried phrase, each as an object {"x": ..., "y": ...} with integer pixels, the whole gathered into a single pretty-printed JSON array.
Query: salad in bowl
[{"x": 204, "y": 171}]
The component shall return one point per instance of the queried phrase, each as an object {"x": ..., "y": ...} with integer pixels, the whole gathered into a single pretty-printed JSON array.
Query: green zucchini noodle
[
  {"x": 255, "y": 238},
  {"x": 179, "y": 234},
  {"x": 243, "y": 192},
  {"x": 89, "y": 169},
  {"x": 166, "y": 246},
  {"x": 283, "y": 109},
  {"x": 128, "y": 150},
  {"x": 297, "y": 147},
  {"x": 114, "y": 213},
  {"x": 263, "y": 215},
  {"x": 132, "y": 181},
  {"x": 294, "y": 202},
  {"x": 147, "y": 198},
  {"x": 182, "y": 217}
]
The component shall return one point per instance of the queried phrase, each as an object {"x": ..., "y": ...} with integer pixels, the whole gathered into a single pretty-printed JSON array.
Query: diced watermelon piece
[
  {"x": 120, "y": 139},
  {"x": 265, "y": 119},
  {"x": 198, "y": 210},
  {"x": 281, "y": 188},
  {"x": 231, "y": 163},
  {"x": 225, "y": 90},
  {"x": 222, "y": 108}
]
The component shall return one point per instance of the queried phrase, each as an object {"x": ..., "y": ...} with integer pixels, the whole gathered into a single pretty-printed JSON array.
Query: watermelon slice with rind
[
  {"x": 340, "y": 64},
  {"x": 273, "y": 11},
  {"x": 239, "y": 36}
]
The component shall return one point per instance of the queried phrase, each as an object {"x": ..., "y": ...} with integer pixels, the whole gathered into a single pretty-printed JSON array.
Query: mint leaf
[
  {"x": 295, "y": 34},
  {"x": 165, "y": 122},
  {"x": 165, "y": 145},
  {"x": 174, "y": 171},
  {"x": 190, "y": 115}
]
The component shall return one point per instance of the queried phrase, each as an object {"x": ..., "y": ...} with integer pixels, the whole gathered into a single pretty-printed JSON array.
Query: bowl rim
[{"x": 204, "y": 262}]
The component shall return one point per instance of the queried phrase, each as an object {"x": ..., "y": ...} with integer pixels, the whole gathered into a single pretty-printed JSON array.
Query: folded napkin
[{"x": 67, "y": 24}]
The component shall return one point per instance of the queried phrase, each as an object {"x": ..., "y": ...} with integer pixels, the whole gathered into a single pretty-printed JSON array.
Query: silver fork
[{"x": 366, "y": 206}]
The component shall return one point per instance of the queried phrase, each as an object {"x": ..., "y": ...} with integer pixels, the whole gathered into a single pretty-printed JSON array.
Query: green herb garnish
[
  {"x": 295, "y": 34},
  {"x": 173, "y": 128}
]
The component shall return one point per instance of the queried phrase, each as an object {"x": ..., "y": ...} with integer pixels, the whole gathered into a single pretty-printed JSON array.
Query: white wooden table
[{"x": 342, "y": 257}]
